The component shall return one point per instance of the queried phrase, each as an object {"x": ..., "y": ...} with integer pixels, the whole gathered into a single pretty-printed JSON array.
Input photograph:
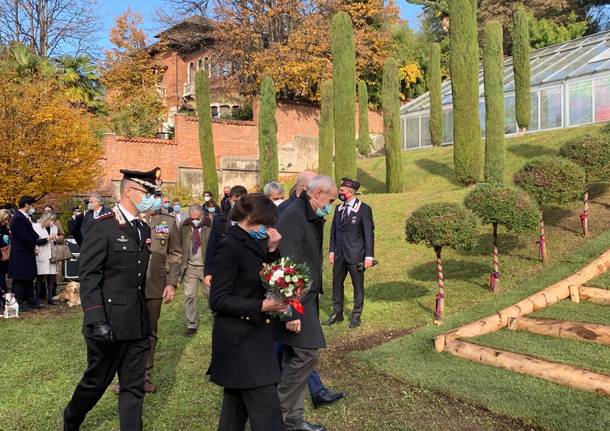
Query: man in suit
[
  {"x": 113, "y": 265},
  {"x": 193, "y": 240},
  {"x": 220, "y": 225},
  {"x": 95, "y": 208},
  {"x": 162, "y": 275},
  {"x": 178, "y": 214},
  {"x": 352, "y": 240},
  {"x": 22, "y": 260},
  {"x": 302, "y": 226},
  {"x": 225, "y": 203}
]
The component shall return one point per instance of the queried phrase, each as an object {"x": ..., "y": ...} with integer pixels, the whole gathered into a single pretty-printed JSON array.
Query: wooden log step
[
  {"x": 562, "y": 374},
  {"x": 548, "y": 296},
  {"x": 579, "y": 331},
  {"x": 594, "y": 295}
]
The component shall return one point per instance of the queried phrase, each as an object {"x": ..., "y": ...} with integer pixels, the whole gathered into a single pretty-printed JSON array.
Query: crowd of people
[{"x": 134, "y": 256}]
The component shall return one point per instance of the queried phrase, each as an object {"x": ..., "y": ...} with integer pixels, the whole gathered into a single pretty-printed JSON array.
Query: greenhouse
[{"x": 570, "y": 87}]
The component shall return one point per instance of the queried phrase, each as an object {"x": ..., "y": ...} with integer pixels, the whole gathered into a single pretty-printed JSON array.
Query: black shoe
[
  {"x": 190, "y": 332},
  {"x": 37, "y": 306},
  {"x": 304, "y": 426},
  {"x": 355, "y": 323},
  {"x": 51, "y": 302},
  {"x": 325, "y": 397},
  {"x": 334, "y": 318}
]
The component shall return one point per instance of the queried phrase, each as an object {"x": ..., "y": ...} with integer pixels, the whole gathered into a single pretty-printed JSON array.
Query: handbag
[
  {"x": 5, "y": 253},
  {"x": 60, "y": 252}
]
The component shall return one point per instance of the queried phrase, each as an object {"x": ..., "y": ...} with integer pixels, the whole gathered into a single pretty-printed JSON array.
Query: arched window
[
  {"x": 214, "y": 111},
  {"x": 200, "y": 64},
  {"x": 191, "y": 73},
  {"x": 206, "y": 66}
]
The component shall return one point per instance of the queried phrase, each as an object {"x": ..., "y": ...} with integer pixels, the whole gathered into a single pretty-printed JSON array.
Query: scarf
[{"x": 196, "y": 243}]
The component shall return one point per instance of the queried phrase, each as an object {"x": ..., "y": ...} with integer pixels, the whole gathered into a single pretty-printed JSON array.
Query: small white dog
[{"x": 11, "y": 307}]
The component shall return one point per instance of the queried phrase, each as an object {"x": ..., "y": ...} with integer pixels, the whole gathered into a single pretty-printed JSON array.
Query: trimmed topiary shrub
[
  {"x": 550, "y": 180},
  {"x": 326, "y": 148},
  {"x": 493, "y": 72},
  {"x": 502, "y": 205},
  {"x": 364, "y": 141},
  {"x": 206, "y": 143},
  {"x": 436, "y": 107},
  {"x": 390, "y": 100},
  {"x": 441, "y": 225},
  {"x": 267, "y": 130},
  {"x": 592, "y": 153}
]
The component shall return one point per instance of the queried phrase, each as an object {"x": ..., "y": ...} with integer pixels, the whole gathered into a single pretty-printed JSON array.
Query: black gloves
[{"x": 101, "y": 332}]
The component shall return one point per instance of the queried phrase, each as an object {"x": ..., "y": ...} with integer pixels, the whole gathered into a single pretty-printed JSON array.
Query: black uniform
[
  {"x": 113, "y": 264},
  {"x": 220, "y": 225},
  {"x": 243, "y": 356},
  {"x": 352, "y": 240}
]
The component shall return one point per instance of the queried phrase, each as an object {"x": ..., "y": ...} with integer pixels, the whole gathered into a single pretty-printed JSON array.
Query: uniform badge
[
  {"x": 354, "y": 219},
  {"x": 162, "y": 228},
  {"x": 122, "y": 239}
]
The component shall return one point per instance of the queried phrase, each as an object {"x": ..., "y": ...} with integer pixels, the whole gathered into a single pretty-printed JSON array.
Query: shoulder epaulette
[{"x": 104, "y": 216}]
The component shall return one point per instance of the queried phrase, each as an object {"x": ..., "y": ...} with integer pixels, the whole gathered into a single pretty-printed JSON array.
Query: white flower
[{"x": 278, "y": 274}]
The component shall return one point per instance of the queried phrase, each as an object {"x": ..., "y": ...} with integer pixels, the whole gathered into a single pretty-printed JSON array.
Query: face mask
[
  {"x": 90, "y": 206},
  {"x": 261, "y": 233},
  {"x": 31, "y": 211},
  {"x": 157, "y": 204},
  {"x": 196, "y": 222},
  {"x": 278, "y": 202},
  {"x": 177, "y": 208},
  {"x": 324, "y": 211},
  {"x": 207, "y": 198},
  {"x": 342, "y": 197},
  {"x": 166, "y": 205},
  {"x": 212, "y": 210},
  {"x": 145, "y": 204}
]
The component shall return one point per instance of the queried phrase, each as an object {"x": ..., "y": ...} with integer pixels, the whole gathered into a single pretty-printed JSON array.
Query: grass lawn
[{"x": 402, "y": 385}]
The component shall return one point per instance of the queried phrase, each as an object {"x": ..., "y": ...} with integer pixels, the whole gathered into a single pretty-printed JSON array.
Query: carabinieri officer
[{"x": 113, "y": 263}]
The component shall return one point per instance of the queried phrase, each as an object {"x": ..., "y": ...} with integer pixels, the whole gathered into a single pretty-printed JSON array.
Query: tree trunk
[
  {"x": 594, "y": 295},
  {"x": 440, "y": 296},
  {"x": 542, "y": 240},
  {"x": 494, "y": 282},
  {"x": 554, "y": 372},
  {"x": 579, "y": 331},
  {"x": 584, "y": 215}
]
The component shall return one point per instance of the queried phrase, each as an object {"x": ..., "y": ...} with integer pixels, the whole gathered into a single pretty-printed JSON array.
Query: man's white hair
[
  {"x": 273, "y": 187},
  {"x": 321, "y": 182}
]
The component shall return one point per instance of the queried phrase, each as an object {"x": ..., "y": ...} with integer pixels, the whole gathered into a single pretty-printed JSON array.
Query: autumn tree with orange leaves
[
  {"x": 130, "y": 76},
  {"x": 48, "y": 144}
]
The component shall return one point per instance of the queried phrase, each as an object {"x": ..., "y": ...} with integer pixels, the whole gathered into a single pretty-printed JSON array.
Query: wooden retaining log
[
  {"x": 579, "y": 331},
  {"x": 594, "y": 295},
  {"x": 554, "y": 372},
  {"x": 548, "y": 296}
]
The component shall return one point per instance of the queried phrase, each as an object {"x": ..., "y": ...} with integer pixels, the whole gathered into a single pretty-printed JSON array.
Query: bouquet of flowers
[{"x": 287, "y": 281}]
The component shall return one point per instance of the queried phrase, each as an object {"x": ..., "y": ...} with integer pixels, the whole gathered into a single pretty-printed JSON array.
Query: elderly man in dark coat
[
  {"x": 301, "y": 226},
  {"x": 22, "y": 261}
]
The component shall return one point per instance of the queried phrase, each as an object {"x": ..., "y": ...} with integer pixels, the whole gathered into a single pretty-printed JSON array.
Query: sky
[{"x": 110, "y": 9}]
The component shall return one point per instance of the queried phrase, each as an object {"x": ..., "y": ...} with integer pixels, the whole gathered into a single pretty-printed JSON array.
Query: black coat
[
  {"x": 287, "y": 203},
  {"x": 243, "y": 354},
  {"x": 225, "y": 205},
  {"x": 3, "y": 264},
  {"x": 87, "y": 219},
  {"x": 220, "y": 226},
  {"x": 355, "y": 235},
  {"x": 302, "y": 233},
  {"x": 112, "y": 273},
  {"x": 22, "y": 261},
  {"x": 74, "y": 228}
]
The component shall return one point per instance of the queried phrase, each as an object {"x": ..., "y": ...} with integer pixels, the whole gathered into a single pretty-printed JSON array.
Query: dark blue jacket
[{"x": 22, "y": 261}]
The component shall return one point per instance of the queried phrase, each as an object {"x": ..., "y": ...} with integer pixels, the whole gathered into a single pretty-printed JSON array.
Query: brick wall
[{"x": 297, "y": 145}]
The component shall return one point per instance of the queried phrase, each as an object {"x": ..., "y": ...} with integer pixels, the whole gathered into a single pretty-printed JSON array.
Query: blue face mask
[
  {"x": 145, "y": 205},
  {"x": 157, "y": 204},
  {"x": 324, "y": 211},
  {"x": 212, "y": 210},
  {"x": 177, "y": 208},
  {"x": 166, "y": 205},
  {"x": 261, "y": 233}
]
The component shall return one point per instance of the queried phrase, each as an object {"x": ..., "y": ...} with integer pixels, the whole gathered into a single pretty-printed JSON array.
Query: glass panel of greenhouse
[{"x": 570, "y": 87}]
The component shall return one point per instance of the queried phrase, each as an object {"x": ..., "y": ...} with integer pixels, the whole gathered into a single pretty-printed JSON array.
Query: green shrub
[
  {"x": 267, "y": 130},
  {"x": 442, "y": 225},
  {"x": 206, "y": 143},
  {"x": 390, "y": 100},
  {"x": 326, "y": 147},
  {"x": 364, "y": 141},
  {"x": 436, "y": 107},
  {"x": 592, "y": 153},
  {"x": 522, "y": 67},
  {"x": 551, "y": 179},
  {"x": 504, "y": 205}
]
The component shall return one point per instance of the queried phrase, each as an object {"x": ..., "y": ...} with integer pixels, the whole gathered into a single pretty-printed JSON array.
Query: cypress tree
[
  {"x": 493, "y": 73},
  {"x": 327, "y": 133},
  {"x": 344, "y": 95},
  {"x": 436, "y": 108},
  {"x": 267, "y": 140},
  {"x": 390, "y": 100},
  {"x": 521, "y": 67},
  {"x": 206, "y": 143},
  {"x": 464, "y": 63},
  {"x": 364, "y": 145}
]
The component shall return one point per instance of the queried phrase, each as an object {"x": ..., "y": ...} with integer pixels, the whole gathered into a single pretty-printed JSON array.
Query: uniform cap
[
  {"x": 352, "y": 184},
  {"x": 151, "y": 180}
]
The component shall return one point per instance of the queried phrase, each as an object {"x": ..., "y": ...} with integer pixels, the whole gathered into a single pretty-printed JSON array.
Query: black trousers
[
  {"x": 45, "y": 286},
  {"x": 340, "y": 271},
  {"x": 260, "y": 405},
  {"x": 24, "y": 291},
  {"x": 128, "y": 359}
]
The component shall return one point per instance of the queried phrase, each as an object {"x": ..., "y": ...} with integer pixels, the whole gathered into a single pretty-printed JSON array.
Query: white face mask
[
  {"x": 278, "y": 202},
  {"x": 207, "y": 198}
]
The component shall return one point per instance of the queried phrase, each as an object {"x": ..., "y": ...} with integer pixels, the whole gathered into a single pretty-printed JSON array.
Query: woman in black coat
[{"x": 243, "y": 354}]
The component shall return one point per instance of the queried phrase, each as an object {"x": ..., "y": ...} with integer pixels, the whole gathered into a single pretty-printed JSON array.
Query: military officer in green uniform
[
  {"x": 162, "y": 275},
  {"x": 113, "y": 264}
]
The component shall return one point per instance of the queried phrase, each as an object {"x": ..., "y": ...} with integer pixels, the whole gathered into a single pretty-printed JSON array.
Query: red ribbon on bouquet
[{"x": 297, "y": 306}]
